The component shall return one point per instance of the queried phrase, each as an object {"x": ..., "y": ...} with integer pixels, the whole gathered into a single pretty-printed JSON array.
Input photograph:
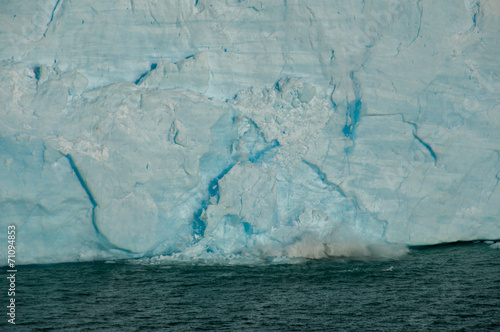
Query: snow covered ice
[{"x": 247, "y": 130}]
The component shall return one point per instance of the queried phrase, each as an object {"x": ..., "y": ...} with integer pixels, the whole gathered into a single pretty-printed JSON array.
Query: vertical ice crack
[
  {"x": 427, "y": 146},
  {"x": 92, "y": 200},
  {"x": 421, "y": 10},
  {"x": 312, "y": 17},
  {"x": 474, "y": 9},
  {"x": 199, "y": 225},
  {"x": 353, "y": 109},
  {"x": 51, "y": 17},
  {"x": 421, "y": 141},
  {"x": 85, "y": 188},
  {"x": 497, "y": 178},
  {"x": 152, "y": 15}
]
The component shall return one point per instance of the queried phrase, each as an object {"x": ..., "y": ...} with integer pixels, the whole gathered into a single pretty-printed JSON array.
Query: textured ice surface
[{"x": 247, "y": 130}]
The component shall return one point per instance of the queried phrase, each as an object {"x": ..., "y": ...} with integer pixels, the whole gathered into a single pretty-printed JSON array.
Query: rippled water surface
[{"x": 448, "y": 288}]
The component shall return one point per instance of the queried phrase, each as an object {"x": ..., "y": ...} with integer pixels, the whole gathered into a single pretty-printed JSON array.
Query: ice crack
[
  {"x": 92, "y": 200},
  {"x": 324, "y": 178},
  {"x": 52, "y": 16}
]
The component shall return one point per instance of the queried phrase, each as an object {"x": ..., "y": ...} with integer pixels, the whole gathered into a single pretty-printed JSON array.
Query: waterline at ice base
[{"x": 247, "y": 131}]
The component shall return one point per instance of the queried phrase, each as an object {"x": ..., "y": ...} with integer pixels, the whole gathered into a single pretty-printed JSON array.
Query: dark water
[{"x": 445, "y": 288}]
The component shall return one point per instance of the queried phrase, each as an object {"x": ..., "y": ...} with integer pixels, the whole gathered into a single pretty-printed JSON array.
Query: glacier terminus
[{"x": 244, "y": 131}]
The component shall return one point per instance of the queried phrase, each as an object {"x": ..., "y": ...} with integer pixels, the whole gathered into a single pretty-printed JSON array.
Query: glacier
[{"x": 243, "y": 131}]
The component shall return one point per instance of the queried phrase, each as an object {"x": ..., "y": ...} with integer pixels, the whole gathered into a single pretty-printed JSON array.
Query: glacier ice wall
[{"x": 247, "y": 129}]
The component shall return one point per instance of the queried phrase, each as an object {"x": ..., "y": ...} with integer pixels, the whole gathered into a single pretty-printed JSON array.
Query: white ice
[{"x": 247, "y": 130}]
